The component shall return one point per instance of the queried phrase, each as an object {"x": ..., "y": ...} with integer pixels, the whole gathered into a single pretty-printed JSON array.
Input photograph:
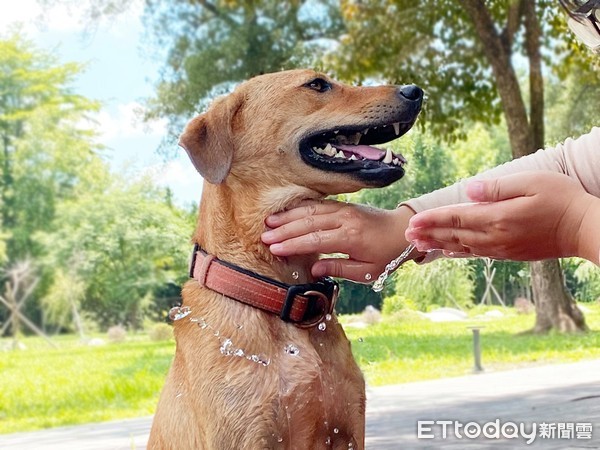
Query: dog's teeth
[
  {"x": 319, "y": 150},
  {"x": 388, "y": 156},
  {"x": 396, "y": 161},
  {"x": 339, "y": 154},
  {"x": 365, "y": 131},
  {"x": 353, "y": 158},
  {"x": 329, "y": 150},
  {"x": 356, "y": 138},
  {"x": 336, "y": 131},
  {"x": 396, "y": 128}
]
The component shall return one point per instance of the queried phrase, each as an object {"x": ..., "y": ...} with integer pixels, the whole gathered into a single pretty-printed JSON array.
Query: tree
[
  {"x": 463, "y": 53},
  {"x": 43, "y": 146},
  {"x": 124, "y": 242}
]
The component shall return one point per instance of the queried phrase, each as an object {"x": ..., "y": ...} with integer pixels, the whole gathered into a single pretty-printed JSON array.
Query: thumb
[{"x": 497, "y": 189}]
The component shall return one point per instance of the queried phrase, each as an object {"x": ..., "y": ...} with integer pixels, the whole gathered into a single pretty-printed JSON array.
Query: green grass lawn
[{"x": 43, "y": 387}]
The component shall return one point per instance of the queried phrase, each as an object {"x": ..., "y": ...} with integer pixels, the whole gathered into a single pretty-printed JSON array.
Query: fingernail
[
  {"x": 271, "y": 220},
  {"x": 266, "y": 236},
  {"x": 475, "y": 190},
  {"x": 318, "y": 270},
  {"x": 275, "y": 248},
  {"x": 422, "y": 245}
]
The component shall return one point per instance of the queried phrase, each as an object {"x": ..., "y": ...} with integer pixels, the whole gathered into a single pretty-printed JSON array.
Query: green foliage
[
  {"x": 355, "y": 297},
  {"x": 212, "y": 45},
  {"x": 445, "y": 282},
  {"x": 126, "y": 242},
  {"x": 44, "y": 146}
]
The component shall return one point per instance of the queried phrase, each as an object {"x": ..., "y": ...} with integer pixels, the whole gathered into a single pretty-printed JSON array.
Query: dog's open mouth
[{"x": 348, "y": 149}]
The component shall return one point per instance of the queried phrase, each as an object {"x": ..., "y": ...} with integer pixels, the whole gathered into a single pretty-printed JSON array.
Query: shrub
[
  {"x": 371, "y": 315},
  {"x": 160, "y": 332},
  {"x": 116, "y": 334},
  {"x": 445, "y": 282}
]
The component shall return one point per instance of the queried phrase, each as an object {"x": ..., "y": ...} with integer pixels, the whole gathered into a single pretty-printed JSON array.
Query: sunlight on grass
[
  {"x": 43, "y": 387},
  {"x": 411, "y": 348}
]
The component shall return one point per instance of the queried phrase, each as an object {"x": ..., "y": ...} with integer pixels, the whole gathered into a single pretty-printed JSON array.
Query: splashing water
[
  {"x": 179, "y": 312},
  {"x": 393, "y": 265},
  {"x": 322, "y": 326},
  {"x": 291, "y": 349},
  {"x": 227, "y": 347},
  {"x": 295, "y": 275},
  {"x": 327, "y": 317}
]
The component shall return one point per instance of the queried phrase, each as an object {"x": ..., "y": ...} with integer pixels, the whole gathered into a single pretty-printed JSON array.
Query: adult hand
[
  {"x": 524, "y": 216},
  {"x": 370, "y": 237}
]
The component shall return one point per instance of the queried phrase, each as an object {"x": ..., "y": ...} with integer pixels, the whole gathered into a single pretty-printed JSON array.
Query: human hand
[
  {"x": 525, "y": 216},
  {"x": 370, "y": 237}
]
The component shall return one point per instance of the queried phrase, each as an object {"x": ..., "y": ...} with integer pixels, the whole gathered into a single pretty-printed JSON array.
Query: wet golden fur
[{"x": 246, "y": 147}]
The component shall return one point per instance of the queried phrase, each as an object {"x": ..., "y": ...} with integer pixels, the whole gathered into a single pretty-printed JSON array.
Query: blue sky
[{"x": 119, "y": 76}]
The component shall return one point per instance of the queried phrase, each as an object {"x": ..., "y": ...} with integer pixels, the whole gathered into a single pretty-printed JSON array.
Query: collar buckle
[{"x": 322, "y": 297}]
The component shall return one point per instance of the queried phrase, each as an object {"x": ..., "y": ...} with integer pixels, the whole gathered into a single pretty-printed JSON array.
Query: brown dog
[{"x": 242, "y": 377}]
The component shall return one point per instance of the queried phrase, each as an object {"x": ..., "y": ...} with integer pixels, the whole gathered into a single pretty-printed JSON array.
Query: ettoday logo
[{"x": 444, "y": 429}]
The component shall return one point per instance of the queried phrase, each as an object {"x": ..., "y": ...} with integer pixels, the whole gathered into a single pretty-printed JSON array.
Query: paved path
[{"x": 566, "y": 394}]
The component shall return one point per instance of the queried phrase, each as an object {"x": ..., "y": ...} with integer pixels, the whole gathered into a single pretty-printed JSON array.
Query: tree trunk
[{"x": 555, "y": 308}]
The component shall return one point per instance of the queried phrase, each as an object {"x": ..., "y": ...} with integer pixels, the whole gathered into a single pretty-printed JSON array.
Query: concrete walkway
[{"x": 560, "y": 400}]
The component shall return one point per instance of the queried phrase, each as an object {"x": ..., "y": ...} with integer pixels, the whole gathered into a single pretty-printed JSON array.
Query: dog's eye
[{"x": 319, "y": 85}]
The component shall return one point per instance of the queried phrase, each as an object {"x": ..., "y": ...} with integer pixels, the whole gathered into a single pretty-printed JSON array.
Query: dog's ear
[{"x": 207, "y": 139}]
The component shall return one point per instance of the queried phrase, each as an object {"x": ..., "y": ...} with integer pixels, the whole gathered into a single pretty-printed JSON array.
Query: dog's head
[{"x": 301, "y": 127}]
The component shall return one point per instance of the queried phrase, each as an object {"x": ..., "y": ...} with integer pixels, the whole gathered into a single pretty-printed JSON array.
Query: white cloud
[
  {"x": 181, "y": 177},
  {"x": 126, "y": 121},
  {"x": 69, "y": 16}
]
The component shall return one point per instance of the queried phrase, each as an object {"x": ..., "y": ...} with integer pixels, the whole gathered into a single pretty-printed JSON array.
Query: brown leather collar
[{"x": 304, "y": 305}]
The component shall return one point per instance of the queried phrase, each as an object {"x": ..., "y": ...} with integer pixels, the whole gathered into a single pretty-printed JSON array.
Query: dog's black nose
[{"x": 411, "y": 92}]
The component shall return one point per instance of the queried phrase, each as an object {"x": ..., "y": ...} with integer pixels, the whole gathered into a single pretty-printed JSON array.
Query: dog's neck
[{"x": 232, "y": 220}]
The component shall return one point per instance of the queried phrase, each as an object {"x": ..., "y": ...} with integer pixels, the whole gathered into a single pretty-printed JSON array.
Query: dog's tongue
[{"x": 365, "y": 151}]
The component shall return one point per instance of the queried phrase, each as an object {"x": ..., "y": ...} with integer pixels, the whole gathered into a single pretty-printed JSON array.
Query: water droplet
[
  {"x": 179, "y": 312},
  {"x": 328, "y": 440},
  {"x": 350, "y": 445},
  {"x": 368, "y": 277},
  {"x": 226, "y": 347},
  {"x": 279, "y": 439},
  {"x": 239, "y": 352},
  {"x": 322, "y": 326},
  {"x": 291, "y": 349},
  {"x": 328, "y": 317},
  {"x": 216, "y": 333},
  {"x": 200, "y": 321},
  {"x": 361, "y": 339},
  {"x": 295, "y": 275},
  {"x": 239, "y": 326},
  {"x": 179, "y": 395},
  {"x": 336, "y": 431}
]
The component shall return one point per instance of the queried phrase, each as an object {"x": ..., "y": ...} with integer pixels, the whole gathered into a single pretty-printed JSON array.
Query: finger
[
  {"x": 301, "y": 226},
  {"x": 345, "y": 268},
  {"x": 431, "y": 244},
  {"x": 456, "y": 216},
  {"x": 308, "y": 208},
  {"x": 503, "y": 188},
  {"x": 324, "y": 241}
]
